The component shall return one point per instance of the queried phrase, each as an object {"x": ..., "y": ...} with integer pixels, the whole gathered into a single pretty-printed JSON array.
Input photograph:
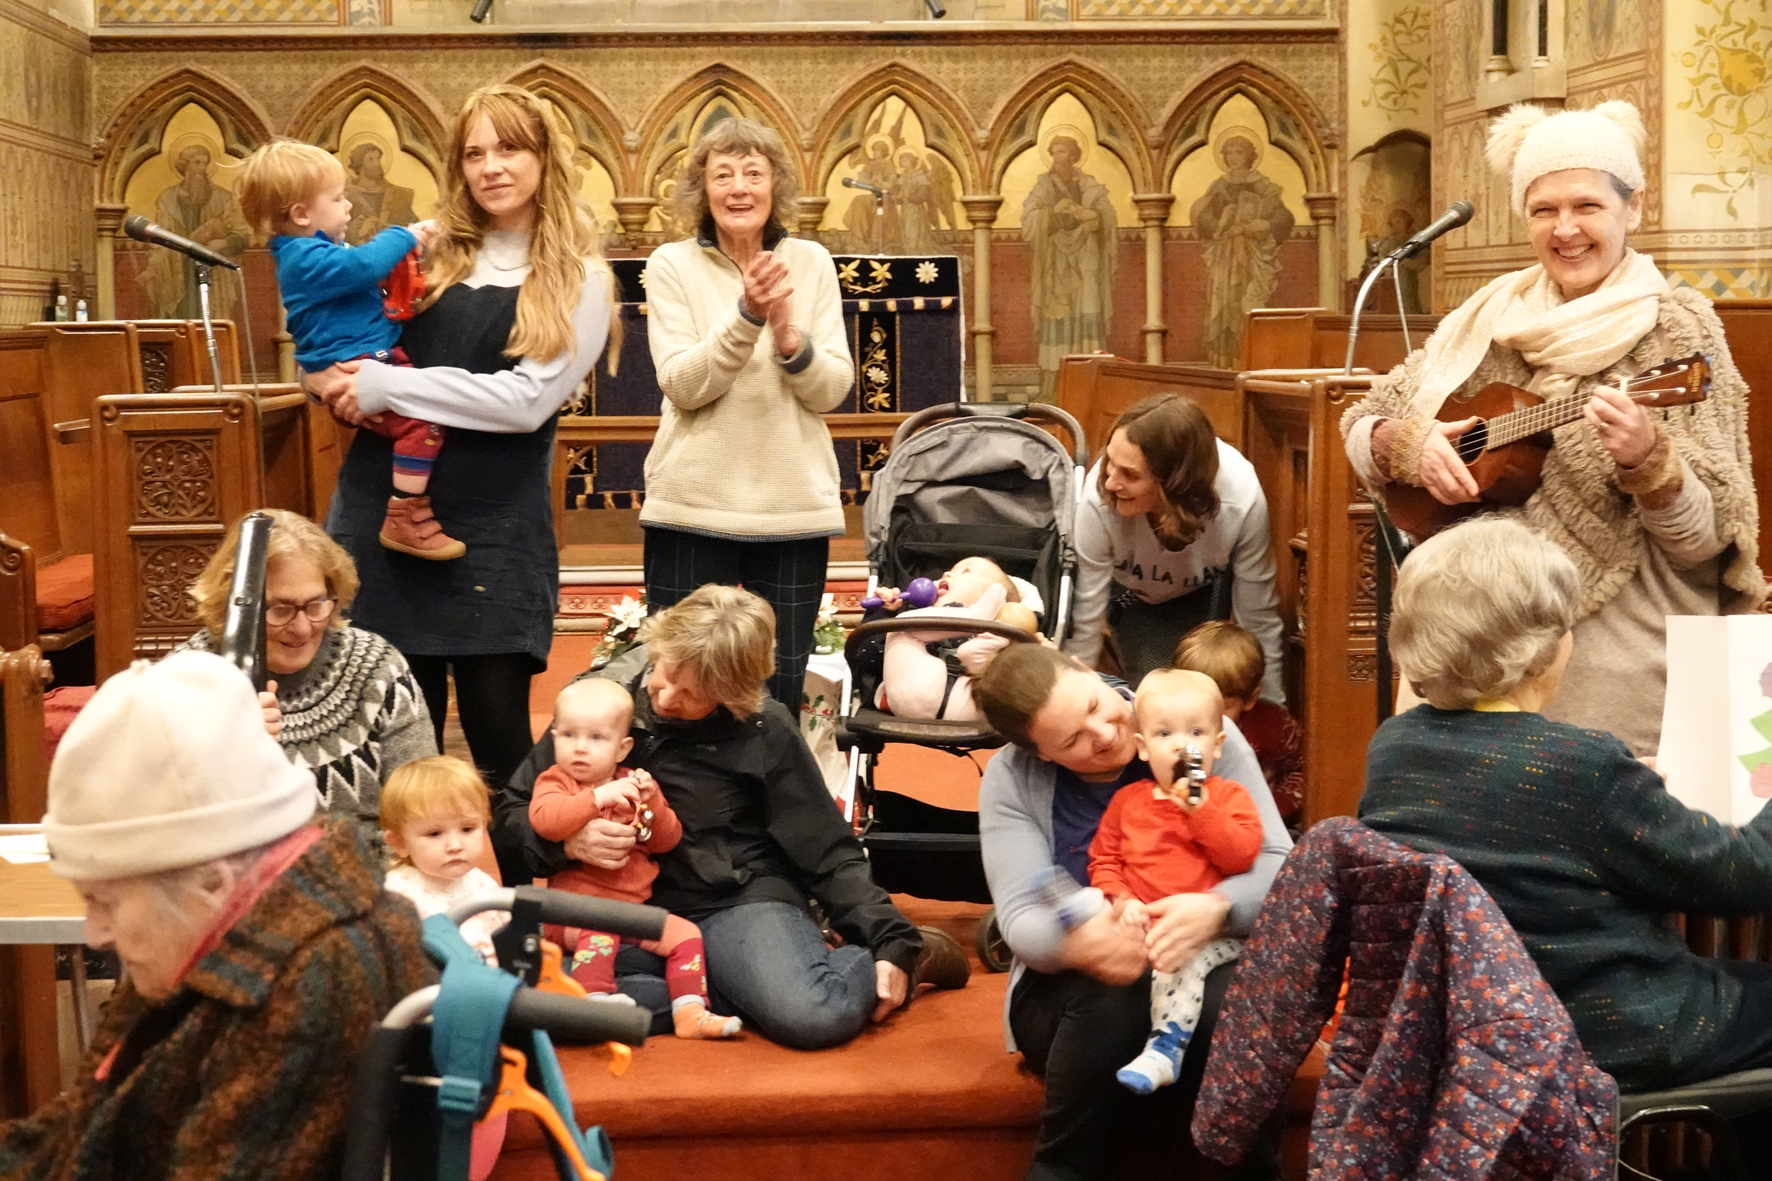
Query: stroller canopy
[{"x": 974, "y": 471}]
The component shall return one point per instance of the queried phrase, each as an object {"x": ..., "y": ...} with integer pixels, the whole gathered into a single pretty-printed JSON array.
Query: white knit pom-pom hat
[
  {"x": 1530, "y": 142},
  {"x": 169, "y": 765}
]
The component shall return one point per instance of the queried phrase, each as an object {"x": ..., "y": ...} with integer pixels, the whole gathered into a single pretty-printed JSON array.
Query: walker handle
[{"x": 575, "y": 1019}]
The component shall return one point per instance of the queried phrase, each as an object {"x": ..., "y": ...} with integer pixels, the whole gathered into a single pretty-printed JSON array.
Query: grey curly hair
[
  {"x": 738, "y": 137},
  {"x": 1480, "y": 608}
]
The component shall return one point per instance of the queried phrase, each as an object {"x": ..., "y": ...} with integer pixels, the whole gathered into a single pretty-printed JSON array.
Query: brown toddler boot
[{"x": 411, "y": 528}]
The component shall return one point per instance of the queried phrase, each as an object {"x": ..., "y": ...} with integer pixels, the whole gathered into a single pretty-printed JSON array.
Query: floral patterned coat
[{"x": 1452, "y": 1059}]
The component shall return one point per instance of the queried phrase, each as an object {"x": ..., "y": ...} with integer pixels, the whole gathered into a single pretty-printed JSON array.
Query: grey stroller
[{"x": 963, "y": 478}]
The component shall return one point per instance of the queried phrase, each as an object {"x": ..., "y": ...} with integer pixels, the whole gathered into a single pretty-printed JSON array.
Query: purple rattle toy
[{"x": 920, "y": 593}]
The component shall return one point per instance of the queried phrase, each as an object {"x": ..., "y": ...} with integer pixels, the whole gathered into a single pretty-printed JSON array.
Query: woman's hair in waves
[{"x": 565, "y": 249}]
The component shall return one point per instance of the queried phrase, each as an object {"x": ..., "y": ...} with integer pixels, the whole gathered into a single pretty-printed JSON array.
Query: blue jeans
[{"x": 769, "y": 964}]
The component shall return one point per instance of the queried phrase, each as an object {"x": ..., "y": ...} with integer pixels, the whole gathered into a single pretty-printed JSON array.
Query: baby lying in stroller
[{"x": 928, "y": 674}]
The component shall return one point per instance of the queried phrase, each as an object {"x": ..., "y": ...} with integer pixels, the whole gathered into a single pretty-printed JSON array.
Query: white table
[{"x": 38, "y": 907}]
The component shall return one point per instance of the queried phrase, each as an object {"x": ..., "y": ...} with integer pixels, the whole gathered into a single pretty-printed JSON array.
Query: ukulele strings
[{"x": 1520, "y": 424}]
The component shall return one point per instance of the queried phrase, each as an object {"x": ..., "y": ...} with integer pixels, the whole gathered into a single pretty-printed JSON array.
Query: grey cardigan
[{"x": 1015, "y": 831}]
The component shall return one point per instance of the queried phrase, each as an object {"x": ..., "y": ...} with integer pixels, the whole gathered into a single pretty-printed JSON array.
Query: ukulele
[{"x": 1505, "y": 450}]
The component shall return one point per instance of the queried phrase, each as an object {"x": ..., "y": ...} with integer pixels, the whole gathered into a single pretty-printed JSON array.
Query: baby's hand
[
  {"x": 618, "y": 791},
  {"x": 1134, "y": 916},
  {"x": 889, "y": 597},
  {"x": 427, "y": 232},
  {"x": 646, "y": 783}
]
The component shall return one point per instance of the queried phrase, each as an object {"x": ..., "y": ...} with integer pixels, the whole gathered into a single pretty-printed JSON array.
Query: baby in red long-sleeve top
[
  {"x": 1154, "y": 841},
  {"x": 591, "y": 721}
]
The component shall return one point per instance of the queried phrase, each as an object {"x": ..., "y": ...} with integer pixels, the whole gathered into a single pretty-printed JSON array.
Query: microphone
[
  {"x": 143, "y": 230},
  {"x": 478, "y": 16},
  {"x": 1457, "y": 215},
  {"x": 849, "y": 182}
]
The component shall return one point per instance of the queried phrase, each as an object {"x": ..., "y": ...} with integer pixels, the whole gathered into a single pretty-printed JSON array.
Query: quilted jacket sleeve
[{"x": 1284, "y": 993}]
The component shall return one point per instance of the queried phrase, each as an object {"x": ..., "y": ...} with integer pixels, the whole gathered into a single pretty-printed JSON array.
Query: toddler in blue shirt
[{"x": 294, "y": 194}]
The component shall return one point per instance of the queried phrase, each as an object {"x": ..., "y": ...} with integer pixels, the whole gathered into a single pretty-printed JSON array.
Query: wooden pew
[
  {"x": 1312, "y": 338},
  {"x": 173, "y": 471},
  {"x": 30, "y": 1071},
  {"x": 1748, "y": 324},
  {"x": 1097, "y": 388},
  {"x": 1325, "y": 536}
]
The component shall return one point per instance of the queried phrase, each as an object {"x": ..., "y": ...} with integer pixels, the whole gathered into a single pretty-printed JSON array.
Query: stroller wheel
[{"x": 993, "y": 950}]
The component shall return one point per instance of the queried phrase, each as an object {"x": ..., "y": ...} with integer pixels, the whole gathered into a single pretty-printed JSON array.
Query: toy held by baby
[{"x": 919, "y": 593}]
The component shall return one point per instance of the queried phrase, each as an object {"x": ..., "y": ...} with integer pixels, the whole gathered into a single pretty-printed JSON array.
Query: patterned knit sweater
[
  {"x": 246, "y": 1073},
  {"x": 1587, "y": 855},
  {"x": 352, "y": 716}
]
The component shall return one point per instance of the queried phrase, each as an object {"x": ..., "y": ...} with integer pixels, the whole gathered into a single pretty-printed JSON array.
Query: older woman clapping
[
  {"x": 746, "y": 327},
  {"x": 1578, "y": 843},
  {"x": 259, "y": 947},
  {"x": 1656, "y": 509}
]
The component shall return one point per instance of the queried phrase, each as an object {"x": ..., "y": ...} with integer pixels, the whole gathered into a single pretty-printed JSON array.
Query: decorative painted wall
[
  {"x": 1390, "y": 120},
  {"x": 46, "y": 214},
  {"x": 1060, "y": 140}
]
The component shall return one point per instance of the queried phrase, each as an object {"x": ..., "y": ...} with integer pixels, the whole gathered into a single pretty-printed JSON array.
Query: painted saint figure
[
  {"x": 201, "y": 210},
  {"x": 871, "y": 223},
  {"x": 1069, "y": 220},
  {"x": 914, "y": 195},
  {"x": 1242, "y": 219},
  {"x": 376, "y": 203}
]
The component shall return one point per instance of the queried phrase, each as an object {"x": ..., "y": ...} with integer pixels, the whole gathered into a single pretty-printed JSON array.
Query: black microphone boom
[
  {"x": 849, "y": 182},
  {"x": 1457, "y": 215},
  {"x": 143, "y": 230}
]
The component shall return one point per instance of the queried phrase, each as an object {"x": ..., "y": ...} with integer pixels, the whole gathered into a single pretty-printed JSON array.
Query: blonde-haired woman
[
  {"x": 516, "y": 313},
  {"x": 340, "y": 700},
  {"x": 1578, "y": 842},
  {"x": 1656, "y": 508},
  {"x": 746, "y": 329},
  {"x": 761, "y": 841}
]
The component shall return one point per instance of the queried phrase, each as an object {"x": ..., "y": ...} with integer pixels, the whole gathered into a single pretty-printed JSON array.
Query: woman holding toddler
[{"x": 761, "y": 843}]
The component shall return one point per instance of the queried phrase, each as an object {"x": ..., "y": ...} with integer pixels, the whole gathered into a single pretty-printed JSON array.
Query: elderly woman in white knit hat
[
  {"x": 258, "y": 946},
  {"x": 1655, "y": 507}
]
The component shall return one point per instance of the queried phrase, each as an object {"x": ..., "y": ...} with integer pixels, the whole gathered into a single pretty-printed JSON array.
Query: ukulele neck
[{"x": 1523, "y": 424}]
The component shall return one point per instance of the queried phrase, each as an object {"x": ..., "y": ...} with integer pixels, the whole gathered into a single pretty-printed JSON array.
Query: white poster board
[{"x": 1716, "y": 728}]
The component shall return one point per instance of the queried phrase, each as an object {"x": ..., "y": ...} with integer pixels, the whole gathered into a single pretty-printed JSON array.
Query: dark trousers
[
  {"x": 1745, "y": 1045},
  {"x": 788, "y": 575},
  {"x": 492, "y": 699},
  {"x": 1075, "y": 1032}
]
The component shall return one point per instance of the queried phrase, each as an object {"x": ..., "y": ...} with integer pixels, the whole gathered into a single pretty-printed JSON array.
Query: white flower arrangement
[{"x": 622, "y": 631}]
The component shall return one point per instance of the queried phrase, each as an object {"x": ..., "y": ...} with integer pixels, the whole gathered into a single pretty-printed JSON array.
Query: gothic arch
[
  {"x": 945, "y": 124},
  {"x": 665, "y": 130},
  {"x": 320, "y": 116},
  {"x": 1296, "y": 125},
  {"x": 134, "y": 132},
  {"x": 599, "y": 129},
  {"x": 1119, "y": 121}
]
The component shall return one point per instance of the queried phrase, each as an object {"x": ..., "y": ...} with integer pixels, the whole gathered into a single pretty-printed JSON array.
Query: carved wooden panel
[
  {"x": 174, "y": 470},
  {"x": 156, "y": 367}
]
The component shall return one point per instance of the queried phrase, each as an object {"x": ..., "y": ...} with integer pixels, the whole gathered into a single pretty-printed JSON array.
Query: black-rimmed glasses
[{"x": 317, "y": 610}]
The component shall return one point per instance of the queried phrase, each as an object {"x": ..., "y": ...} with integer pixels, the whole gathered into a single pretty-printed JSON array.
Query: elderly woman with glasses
[{"x": 340, "y": 700}]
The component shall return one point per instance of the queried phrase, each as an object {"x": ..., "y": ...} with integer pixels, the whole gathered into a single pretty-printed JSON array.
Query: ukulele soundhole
[{"x": 1473, "y": 442}]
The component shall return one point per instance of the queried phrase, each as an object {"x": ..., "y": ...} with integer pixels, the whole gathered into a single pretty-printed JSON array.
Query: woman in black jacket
[{"x": 762, "y": 840}]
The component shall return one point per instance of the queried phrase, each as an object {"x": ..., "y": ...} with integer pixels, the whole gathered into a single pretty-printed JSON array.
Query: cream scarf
[{"x": 1562, "y": 340}]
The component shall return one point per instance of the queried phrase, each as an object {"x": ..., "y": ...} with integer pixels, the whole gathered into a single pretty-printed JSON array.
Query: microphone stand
[
  {"x": 203, "y": 269},
  {"x": 1390, "y": 538}
]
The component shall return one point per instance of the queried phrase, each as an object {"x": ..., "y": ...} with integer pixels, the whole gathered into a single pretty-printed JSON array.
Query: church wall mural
[{"x": 1065, "y": 130}]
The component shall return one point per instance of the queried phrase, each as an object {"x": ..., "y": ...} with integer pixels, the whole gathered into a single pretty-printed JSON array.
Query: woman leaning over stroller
[
  {"x": 1171, "y": 518},
  {"x": 259, "y": 947}
]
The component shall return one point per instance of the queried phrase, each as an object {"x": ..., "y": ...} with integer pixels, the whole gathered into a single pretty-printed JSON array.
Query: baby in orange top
[
  {"x": 1154, "y": 841},
  {"x": 591, "y": 720}
]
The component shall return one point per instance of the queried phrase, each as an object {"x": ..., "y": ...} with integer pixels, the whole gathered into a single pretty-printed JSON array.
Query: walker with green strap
[{"x": 478, "y": 1044}]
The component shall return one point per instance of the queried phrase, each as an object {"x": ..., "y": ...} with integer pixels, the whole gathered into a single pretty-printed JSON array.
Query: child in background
[
  {"x": 1153, "y": 841},
  {"x": 1232, "y": 657},
  {"x": 294, "y": 194},
  {"x": 929, "y": 674},
  {"x": 434, "y": 814},
  {"x": 591, "y": 720}
]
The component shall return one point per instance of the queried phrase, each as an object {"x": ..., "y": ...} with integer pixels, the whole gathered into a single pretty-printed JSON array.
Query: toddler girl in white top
[{"x": 434, "y": 814}]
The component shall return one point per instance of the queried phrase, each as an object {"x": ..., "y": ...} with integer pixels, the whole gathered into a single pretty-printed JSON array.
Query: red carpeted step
[{"x": 931, "y": 1092}]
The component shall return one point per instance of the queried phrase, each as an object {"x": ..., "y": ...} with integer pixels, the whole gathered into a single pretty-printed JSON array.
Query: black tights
[{"x": 492, "y": 697}]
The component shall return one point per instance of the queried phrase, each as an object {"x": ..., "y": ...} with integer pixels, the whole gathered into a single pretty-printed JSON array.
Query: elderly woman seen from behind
[
  {"x": 1577, "y": 841},
  {"x": 339, "y": 699},
  {"x": 1656, "y": 508},
  {"x": 746, "y": 328},
  {"x": 259, "y": 947}
]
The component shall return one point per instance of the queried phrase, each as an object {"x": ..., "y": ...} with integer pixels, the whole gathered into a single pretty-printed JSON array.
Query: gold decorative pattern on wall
[
  {"x": 1726, "y": 73},
  {"x": 1197, "y": 9},
  {"x": 1602, "y": 29},
  {"x": 216, "y": 12},
  {"x": 1401, "y": 62}
]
